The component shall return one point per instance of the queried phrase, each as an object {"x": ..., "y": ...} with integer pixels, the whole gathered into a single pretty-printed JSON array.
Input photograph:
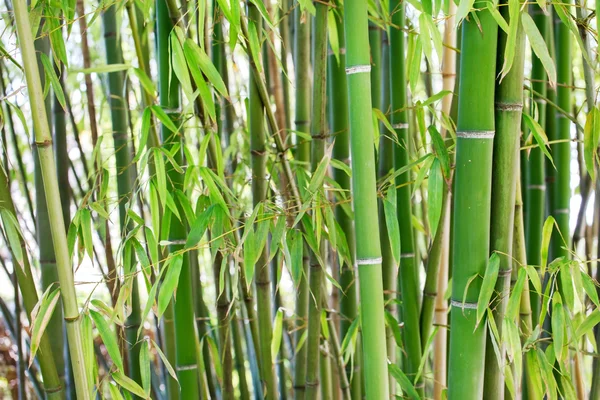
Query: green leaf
[
  {"x": 539, "y": 135},
  {"x": 277, "y": 333},
  {"x": 129, "y": 384},
  {"x": 109, "y": 339},
  {"x": 145, "y": 363},
  {"x": 591, "y": 138},
  {"x": 588, "y": 324},
  {"x": 165, "y": 361},
  {"x": 534, "y": 278},
  {"x": 145, "y": 81},
  {"x": 294, "y": 240},
  {"x": 180, "y": 66},
  {"x": 435, "y": 195},
  {"x": 191, "y": 51},
  {"x": 391, "y": 222},
  {"x": 589, "y": 287},
  {"x": 403, "y": 380},
  {"x": 464, "y": 7},
  {"x": 14, "y": 236},
  {"x": 332, "y": 34},
  {"x": 546, "y": 235},
  {"x": 487, "y": 287},
  {"x": 394, "y": 326},
  {"x": 164, "y": 118},
  {"x": 497, "y": 16},
  {"x": 86, "y": 230},
  {"x": 114, "y": 391},
  {"x": 425, "y": 36},
  {"x": 100, "y": 69},
  {"x": 514, "y": 301},
  {"x": 198, "y": 228},
  {"x": 539, "y": 47},
  {"x": 558, "y": 325},
  {"x": 169, "y": 285},
  {"x": 54, "y": 81},
  {"x": 511, "y": 41},
  {"x": 40, "y": 317}
]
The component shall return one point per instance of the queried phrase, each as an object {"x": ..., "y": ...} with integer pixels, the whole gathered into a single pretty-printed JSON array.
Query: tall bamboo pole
[
  {"x": 48, "y": 168},
  {"x": 119, "y": 120},
  {"x": 536, "y": 186},
  {"x": 509, "y": 105},
  {"x": 185, "y": 332},
  {"x": 475, "y": 133},
  {"x": 302, "y": 124},
  {"x": 561, "y": 151},
  {"x": 262, "y": 279},
  {"x": 53, "y": 386},
  {"x": 338, "y": 109},
  {"x": 408, "y": 275},
  {"x": 319, "y": 137},
  {"x": 368, "y": 247}
]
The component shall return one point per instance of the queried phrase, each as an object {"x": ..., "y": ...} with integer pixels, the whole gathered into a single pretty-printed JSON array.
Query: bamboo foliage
[{"x": 334, "y": 200}]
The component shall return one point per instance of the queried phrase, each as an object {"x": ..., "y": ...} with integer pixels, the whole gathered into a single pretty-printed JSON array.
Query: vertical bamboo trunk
[
  {"x": 368, "y": 246},
  {"x": 440, "y": 354},
  {"x": 338, "y": 108},
  {"x": 119, "y": 118},
  {"x": 46, "y": 255},
  {"x": 472, "y": 198},
  {"x": 237, "y": 338},
  {"x": 46, "y": 158},
  {"x": 562, "y": 151},
  {"x": 509, "y": 106},
  {"x": 185, "y": 332},
  {"x": 302, "y": 124},
  {"x": 536, "y": 186},
  {"x": 53, "y": 386},
  {"x": 386, "y": 166},
  {"x": 262, "y": 278},
  {"x": 319, "y": 137},
  {"x": 408, "y": 275}
]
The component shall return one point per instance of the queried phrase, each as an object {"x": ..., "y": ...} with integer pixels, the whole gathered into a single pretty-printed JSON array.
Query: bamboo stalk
[
  {"x": 338, "y": 114},
  {"x": 259, "y": 192},
  {"x": 48, "y": 169},
  {"x": 185, "y": 332},
  {"x": 408, "y": 274},
  {"x": 319, "y": 137},
  {"x": 509, "y": 106},
  {"x": 53, "y": 385},
  {"x": 471, "y": 227},
  {"x": 536, "y": 185},
  {"x": 368, "y": 246}
]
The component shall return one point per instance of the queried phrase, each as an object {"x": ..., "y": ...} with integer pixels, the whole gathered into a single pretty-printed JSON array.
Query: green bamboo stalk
[
  {"x": 319, "y": 137},
  {"x": 475, "y": 131},
  {"x": 119, "y": 120},
  {"x": 259, "y": 192},
  {"x": 185, "y": 333},
  {"x": 48, "y": 169},
  {"x": 509, "y": 106},
  {"x": 302, "y": 154},
  {"x": 536, "y": 186},
  {"x": 408, "y": 275},
  {"x": 368, "y": 246},
  {"x": 53, "y": 385},
  {"x": 237, "y": 339},
  {"x": 561, "y": 152},
  {"x": 338, "y": 114}
]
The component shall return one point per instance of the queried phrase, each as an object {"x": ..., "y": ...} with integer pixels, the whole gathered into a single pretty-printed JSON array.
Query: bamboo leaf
[
  {"x": 391, "y": 222},
  {"x": 394, "y": 326},
  {"x": 14, "y": 235},
  {"x": 86, "y": 230},
  {"x": 514, "y": 301},
  {"x": 101, "y": 69},
  {"x": 539, "y": 47},
  {"x": 277, "y": 333},
  {"x": 534, "y": 278},
  {"x": 511, "y": 41},
  {"x": 539, "y": 135},
  {"x": 41, "y": 316},
  {"x": 591, "y": 139},
  {"x": 54, "y": 81},
  {"x": 145, "y": 81},
  {"x": 208, "y": 69},
  {"x": 487, "y": 287},
  {"x": 497, "y": 16},
  {"x": 165, "y": 361},
  {"x": 169, "y": 285},
  {"x": 114, "y": 391},
  {"x": 145, "y": 363},
  {"x": 464, "y": 7},
  {"x": 558, "y": 326},
  {"x": 109, "y": 339},
  {"x": 294, "y": 240},
  {"x": 180, "y": 66},
  {"x": 589, "y": 287},
  {"x": 403, "y": 380},
  {"x": 588, "y": 324},
  {"x": 425, "y": 36},
  {"x": 129, "y": 384},
  {"x": 546, "y": 235}
]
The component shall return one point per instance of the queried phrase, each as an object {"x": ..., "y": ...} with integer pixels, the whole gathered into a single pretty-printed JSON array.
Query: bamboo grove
[{"x": 215, "y": 199}]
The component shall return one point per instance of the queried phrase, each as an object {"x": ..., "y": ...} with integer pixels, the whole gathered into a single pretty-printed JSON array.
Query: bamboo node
[
  {"x": 178, "y": 241},
  {"x": 430, "y": 294},
  {"x": 561, "y": 211},
  {"x": 476, "y": 134},
  {"x": 536, "y": 187},
  {"x": 369, "y": 261},
  {"x": 505, "y": 272},
  {"x": 517, "y": 107},
  {"x": 463, "y": 305},
  {"x": 55, "y": 389},
  {"x": 44, "y": 143},
  {"x": 71, "y": 319},
  {"x": 187, "y": 367},
  {"x": 258, "y": 153},
  {"x": 402, "y": 125},
  {"x": 358, "y": 69},
  {"x": 407, "y": 255},
  {"x": 341, "y": 50}
]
